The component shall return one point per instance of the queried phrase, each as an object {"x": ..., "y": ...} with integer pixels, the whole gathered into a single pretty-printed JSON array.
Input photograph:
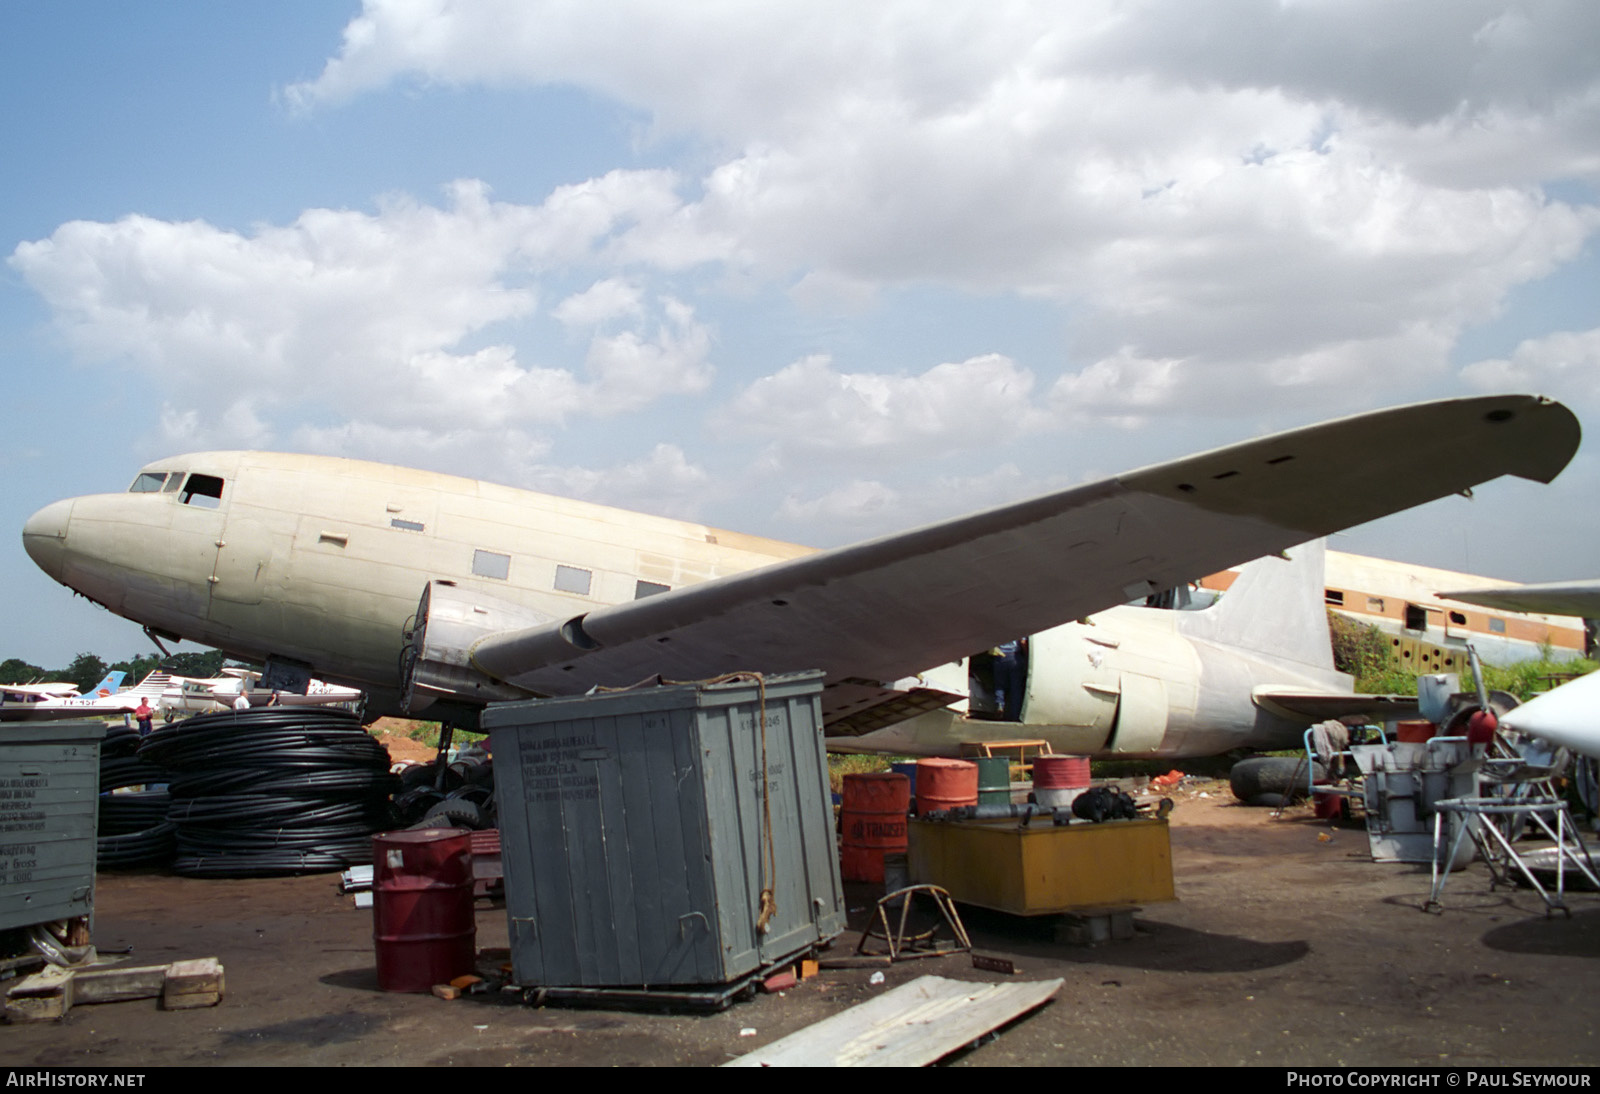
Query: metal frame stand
[
  {"x": 903, "y": 947},
  {"x": 1498, "y": 852}
]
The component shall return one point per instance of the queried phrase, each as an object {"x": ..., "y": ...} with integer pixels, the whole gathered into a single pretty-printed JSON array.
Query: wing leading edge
[
  {"x": 890, "y": 607},
  {"x": 1575, "y": 598}
]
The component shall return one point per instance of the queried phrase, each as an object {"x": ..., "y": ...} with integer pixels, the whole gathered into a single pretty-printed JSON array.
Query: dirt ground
[
  {"x": 1283, "y": 948},
  {"x": 392, "y": 734}
]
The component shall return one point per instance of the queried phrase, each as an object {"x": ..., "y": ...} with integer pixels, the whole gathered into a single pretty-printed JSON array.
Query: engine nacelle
[{"x": 436, "y": 662}]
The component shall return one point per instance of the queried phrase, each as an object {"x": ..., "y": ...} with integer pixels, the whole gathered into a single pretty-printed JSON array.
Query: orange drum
[
  {"x": 945, "y": 784},
  {"x": 1058, "y": 780},
  {"x": 873, "y": 823}
]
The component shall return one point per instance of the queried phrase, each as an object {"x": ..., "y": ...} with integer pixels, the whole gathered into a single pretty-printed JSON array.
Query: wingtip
[{"x": 1550, "y": 427}]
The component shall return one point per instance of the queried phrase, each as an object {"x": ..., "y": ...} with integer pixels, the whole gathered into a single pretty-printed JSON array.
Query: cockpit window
[
  {"x": 202, "y": 490},
  {"x": 174, "y": 481},
  {"x": 149, "y": 482}
]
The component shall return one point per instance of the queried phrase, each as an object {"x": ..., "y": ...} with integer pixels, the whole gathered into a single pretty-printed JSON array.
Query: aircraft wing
[
  {"x": 1579, "y": 598},
  {"x": 1565, "y": 716},
  {"x": 62, "y": 690},
  {"x": 890, "y": 607}
]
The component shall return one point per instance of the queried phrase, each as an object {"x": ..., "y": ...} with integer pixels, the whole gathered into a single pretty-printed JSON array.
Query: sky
[{"x": 817, "y": 271}]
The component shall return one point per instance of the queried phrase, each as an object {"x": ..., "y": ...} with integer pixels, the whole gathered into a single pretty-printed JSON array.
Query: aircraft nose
[{"x": 44, "y": 537}]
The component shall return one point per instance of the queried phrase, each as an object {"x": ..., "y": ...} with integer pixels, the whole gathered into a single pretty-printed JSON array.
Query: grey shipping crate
[
  {"x": 49, "y": 804},
  {"x": 632, "y": 830}
]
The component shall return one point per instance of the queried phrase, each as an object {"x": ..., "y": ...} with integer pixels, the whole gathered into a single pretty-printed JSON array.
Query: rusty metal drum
[
  {"x": 1057, "y": 780},
  {"x": 945, "y": 784},
  {"x": 423, "y": 925},
  {"x": 872, "y": 821}
]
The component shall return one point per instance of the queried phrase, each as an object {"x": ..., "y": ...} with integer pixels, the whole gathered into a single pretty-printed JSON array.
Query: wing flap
[
  {"x": 1318, "y": 706},
  {"x": 856, "y": 706}
]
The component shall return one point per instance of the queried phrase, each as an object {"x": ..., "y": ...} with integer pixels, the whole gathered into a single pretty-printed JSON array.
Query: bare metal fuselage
[{"x": 321, "y": 560}]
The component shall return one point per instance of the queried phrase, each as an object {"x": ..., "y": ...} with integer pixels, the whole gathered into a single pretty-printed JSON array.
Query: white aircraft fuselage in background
[{"x": 321, "y": 561}]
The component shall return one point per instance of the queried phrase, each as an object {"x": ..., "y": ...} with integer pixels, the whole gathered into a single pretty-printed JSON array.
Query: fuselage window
[
  {"x": 491, "y": 564},
  {"x": 570, "y": 579},
  {"x": 405, "y": 525},
  {"x": 202, "y": 490},
  {"x": 1498, "y": 626},
  {"x": 1416, "y": 618},
  {"x": 642, "y": 589},
  {"x": 149, "y": 482}
]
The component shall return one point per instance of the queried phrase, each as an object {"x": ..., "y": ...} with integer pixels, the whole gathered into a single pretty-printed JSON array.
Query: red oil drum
[
  {"x": 945, "y": 784},
  {"x": 1415, "y": 732},
  {"x": 422, "y": 919},
  {"x": 1060, "y": 772},
  {"x": 1057, "y": 780},
  {"x": 872, "y": 820}
]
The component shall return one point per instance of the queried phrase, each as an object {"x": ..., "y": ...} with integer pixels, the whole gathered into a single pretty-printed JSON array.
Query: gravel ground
[{"x": 1287, "y": 946}]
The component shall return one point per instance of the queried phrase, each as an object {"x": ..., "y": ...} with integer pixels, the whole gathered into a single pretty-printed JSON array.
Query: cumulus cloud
[
  {"x": 1565, "y": 364},
  {"x": 665, "y": 482},
  {"x": 631, "y": 371},
  {"x": 868, "y": 507},
  {"x": 369, "y": 316},
  {"x": 605, "y": 300},
  {"x": 812, "y": 409},
  {"x": 1249, "y": 209},
  {"x": 1240, "y": 195}
]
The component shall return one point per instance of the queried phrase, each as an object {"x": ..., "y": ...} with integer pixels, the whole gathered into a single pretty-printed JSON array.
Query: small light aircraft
[
  {"x": 190, "y": 695},
  {"x": 317, "y": 564},
  {"x": 65, "y": 689},
  {"x": 31, "y": 702}
]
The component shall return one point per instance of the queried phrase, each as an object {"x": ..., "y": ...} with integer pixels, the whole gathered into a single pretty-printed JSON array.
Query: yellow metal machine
[{"x": 1042, "y": 868}]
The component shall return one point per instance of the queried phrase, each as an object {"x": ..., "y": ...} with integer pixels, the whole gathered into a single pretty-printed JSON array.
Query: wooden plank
[
  {"x": 114, "y": 984},
  {"x": 41, "y": 997},
  {"x": 195, "y": 983},
  {"x": 914, "y": 1025},
  {"x": 54, "y": 991}
]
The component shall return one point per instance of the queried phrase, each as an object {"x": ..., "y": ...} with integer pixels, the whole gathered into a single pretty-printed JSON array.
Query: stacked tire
[
  {"x": 1273, "y": 781},
  {"x": 272, "y": 791}
]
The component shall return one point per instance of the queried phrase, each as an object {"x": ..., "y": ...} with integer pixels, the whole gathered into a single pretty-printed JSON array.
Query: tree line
[{"x": 88, "y": 669}]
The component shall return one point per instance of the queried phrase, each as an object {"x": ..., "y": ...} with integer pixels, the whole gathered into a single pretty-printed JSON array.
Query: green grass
[
  {"x": 1524, "y": 680},
  {"x": 842, "y": 764}
]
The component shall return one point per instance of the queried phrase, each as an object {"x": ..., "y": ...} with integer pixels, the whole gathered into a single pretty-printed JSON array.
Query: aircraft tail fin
[
  {"x": 153, "y": 684},
  {"x": 1275, "y": 608},
  {"x": 109, "y": 685}
]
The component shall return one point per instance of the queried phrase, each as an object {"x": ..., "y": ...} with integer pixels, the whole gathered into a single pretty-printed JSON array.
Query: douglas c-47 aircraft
[{"x": 318, "y": 564}]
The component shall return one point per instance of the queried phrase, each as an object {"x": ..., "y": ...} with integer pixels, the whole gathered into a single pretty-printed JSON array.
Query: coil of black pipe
[
  {"x": 133, "y": 828},
  {"x": 272, "y": 791}
]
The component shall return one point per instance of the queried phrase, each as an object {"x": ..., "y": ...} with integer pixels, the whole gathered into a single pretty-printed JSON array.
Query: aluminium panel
[
  {"x": 636, "y": 838},
  {"x": 49, "y": 806}
]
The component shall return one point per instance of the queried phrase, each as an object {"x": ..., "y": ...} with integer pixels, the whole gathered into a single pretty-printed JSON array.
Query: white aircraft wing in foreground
[{"x": 1567, "y": 716}]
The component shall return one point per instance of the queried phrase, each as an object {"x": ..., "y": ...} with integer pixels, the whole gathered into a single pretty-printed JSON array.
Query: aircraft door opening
[{"x": 997, "y": 682}]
